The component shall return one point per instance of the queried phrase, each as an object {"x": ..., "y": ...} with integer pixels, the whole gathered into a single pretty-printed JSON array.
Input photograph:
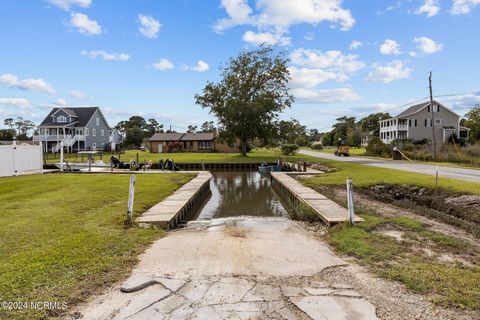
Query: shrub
[
  {"x": 316, "y": 145},
  {"x": 289, "y": 149},
  {"x": 377, "y": 148}
]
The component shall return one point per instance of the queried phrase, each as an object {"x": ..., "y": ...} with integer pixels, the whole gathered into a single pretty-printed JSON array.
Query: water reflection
[{"x": 241, "y": 193}]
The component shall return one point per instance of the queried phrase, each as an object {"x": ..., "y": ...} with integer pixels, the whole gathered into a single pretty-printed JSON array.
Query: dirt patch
[{"x": 235, "y": 231}]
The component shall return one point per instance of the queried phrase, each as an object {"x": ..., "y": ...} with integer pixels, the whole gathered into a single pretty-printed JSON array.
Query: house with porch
[
  {"x": 79, "y": 128},
  {"x": 415, "y": 123},
  {"x": 189, "y": 142}
]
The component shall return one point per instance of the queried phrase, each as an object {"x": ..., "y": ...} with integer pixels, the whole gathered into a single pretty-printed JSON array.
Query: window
[
  {"x": 428, "y": 108},
  {"x": 102, "y": 132},
  {"x": 61, "y": 119},
  {"x": 98, "y": 121},
  {"x": 410, "y": 123},
  {"x": 428, "y": 122},
  {"x": 438, "y": 121},
  {"x": 415, "y": 123},
  {"x": 94, "y": 133},
  {"x": 436, "y": 108},
  {"x": 204, "y": 145},
  {"x": 87, "y": 131}
]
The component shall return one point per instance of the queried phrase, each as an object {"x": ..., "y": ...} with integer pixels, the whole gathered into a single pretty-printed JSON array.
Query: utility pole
[{"x": 433, "y": 117}]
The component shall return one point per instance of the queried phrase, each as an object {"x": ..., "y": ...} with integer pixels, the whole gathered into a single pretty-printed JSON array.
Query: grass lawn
[
  {"x": 354, "y": 151},
  {"x": 62, "y": 236},
  {"x": 448, "y": 284},
  {"x": 257, "y": 155}
]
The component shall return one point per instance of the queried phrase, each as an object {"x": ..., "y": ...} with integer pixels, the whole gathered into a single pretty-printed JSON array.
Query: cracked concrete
[{"x": 206, "y": 271}]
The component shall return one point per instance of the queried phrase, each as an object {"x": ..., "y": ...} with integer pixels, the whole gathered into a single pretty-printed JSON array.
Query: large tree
[
  {"x": 136, "y": 129},
  {"x": 252, "y": 92},
  {"x": 290, "y": 130},
  {"x": 472, "y": 121},
  {"x": 371, "y": 123}
]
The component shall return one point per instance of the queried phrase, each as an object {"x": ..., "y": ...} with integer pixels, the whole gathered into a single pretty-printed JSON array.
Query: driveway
[
  {"x": 234, "y": 268},
  {"x": 471, "y": 175}
]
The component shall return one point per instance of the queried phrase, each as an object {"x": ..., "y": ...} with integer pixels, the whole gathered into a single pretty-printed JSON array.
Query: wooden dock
[
  {"x": 181, "y": 205},
  {"x": 329, "y": 211}
]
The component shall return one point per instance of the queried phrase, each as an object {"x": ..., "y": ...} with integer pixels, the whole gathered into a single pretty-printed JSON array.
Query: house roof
[
  {"x": 84, "y": 115},
  {"x": 201, "y": 136},
  {"x": 171, "y": 136},
  {"x": 413, "y": 109}
]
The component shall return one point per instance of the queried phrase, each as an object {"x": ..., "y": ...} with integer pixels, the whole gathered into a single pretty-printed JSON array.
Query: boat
[
  {"x": 267, "y": 169},
  {"x": 79, "y": 166}
]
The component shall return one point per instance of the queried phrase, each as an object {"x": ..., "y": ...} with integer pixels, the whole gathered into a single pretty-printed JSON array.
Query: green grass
[
  {"x": 257, "y": 155},
  {"x": 62, "y": 236},
  {"x": 448, "y": 285},
  {"x": 363, "y": 176}
]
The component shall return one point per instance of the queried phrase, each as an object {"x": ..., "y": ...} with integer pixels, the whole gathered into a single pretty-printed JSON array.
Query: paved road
[
  {"x": 472, "y": 175},
  {"x": 234, "y": 268}
]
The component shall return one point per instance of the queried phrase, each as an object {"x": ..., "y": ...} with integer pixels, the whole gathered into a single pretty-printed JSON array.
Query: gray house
[
  {"x": 82, "y": 128},
  {"x": 415, "y": 123}
]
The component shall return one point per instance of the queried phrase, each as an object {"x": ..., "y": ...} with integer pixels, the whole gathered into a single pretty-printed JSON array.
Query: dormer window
[{"x": 61, "y": 119}]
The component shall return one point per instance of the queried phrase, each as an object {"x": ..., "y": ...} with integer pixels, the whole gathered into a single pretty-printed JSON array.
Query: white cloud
[
  {"x": 427, "y": 45},
  {"x": 60, "y": 102},
  {"x": 309, "y": 78},
  {"x": 15, "y": 102},
  {"x": 390, "y": 47},
  {"x": 163, "y": 64},
  {"x": 77, "y": 94},
  {"x": 430, "y": 8},
  {"x": 308, "y": 96},
  {"x": 277, "y": 16},
  {"x": 461, "y": 103},
  {"x": 200, "y": 66},
  {"x": 113, "y": 56},
  {"x": 149, "y": 27},
  {"x": 333, "y": 60},
  {"x": 355, "y": 45},
  {"x": 463, "y": 6},
  {"x": 12, "y": 81},
  {"x": 84, "y": 25},
  {"x": 388, "y": 72},
  {"x": 309, "y": 36},
  {"x": 67, "y": 4},
  {"x": 265, "y": 37},
  {"x": 412, "y": 53}
]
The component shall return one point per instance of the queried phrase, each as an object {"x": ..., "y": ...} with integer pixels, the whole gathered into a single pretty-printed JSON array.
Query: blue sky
[{"x": 150, "y": 57}]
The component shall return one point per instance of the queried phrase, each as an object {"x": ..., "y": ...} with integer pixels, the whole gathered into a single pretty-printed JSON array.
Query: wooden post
[
  {"x": 351, "y": 209},
  {"x": 436, "y": 176},
  {"x": 131, "y": 196},
  {"x": 304, "y": 166},
  {"x": 137, "y": 159}
]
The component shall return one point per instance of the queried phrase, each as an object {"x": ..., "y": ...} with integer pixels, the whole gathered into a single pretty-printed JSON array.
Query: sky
[{"x": 150, "y": 57}]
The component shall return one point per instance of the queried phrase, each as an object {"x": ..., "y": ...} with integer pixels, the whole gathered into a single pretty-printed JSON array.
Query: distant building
[
  {"x": 189, "y": 142},
  {"x": 415, "y": 123},
  {"x": 82, "y": 128}
]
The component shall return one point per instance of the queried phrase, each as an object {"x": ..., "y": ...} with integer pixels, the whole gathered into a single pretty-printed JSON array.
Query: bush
[
  {"x": 377, "y": 148},
  {"x": 316, "y": 145},
  {"x": 289, "y": 149}
]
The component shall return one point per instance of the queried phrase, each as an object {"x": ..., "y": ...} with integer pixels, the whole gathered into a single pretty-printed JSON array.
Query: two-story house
[
  {"x": 415, "y": 123},
  {"x": 82, "y": 128}
]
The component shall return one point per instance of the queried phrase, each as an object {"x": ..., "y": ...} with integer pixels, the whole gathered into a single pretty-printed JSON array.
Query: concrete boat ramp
[{"x": 233, "y": 268}]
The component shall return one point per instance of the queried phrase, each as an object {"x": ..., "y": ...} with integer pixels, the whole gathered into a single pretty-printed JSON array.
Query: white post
[
  {"x": 61, "y": 156},
  {"x": 41, "y": 155},
  {"x": 351, "y": 209},
  {"x": 436, "y": 176},
  {"x": 131, "y": 194}
]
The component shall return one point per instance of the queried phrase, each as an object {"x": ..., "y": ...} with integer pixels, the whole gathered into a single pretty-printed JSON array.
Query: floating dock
[
  {"x": 181, "y": 205},
  {"x": 329, "y": 211}
]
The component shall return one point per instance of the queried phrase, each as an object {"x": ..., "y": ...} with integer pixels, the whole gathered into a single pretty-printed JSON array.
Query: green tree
[
  {"x": 9, "y": 122},
  {"x": 192, "y": 129},
  {"x": 208, "y": 126},
  {"x": 289, "y": 131},
  {"x": 252, "y": 92},
  {"x": 472, "y": 121},
  {"x": 354, "y": 136},
  {"x": 371, "y": 123},
  {"x": 7, "y": 134},
  {"x": 341, "y": 126},
  {"x": 136, "y": 129},
  {"x": 327, "y": 139}
]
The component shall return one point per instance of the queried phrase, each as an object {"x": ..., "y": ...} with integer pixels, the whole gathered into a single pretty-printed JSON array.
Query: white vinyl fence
[{"x": 20, "y": 159}]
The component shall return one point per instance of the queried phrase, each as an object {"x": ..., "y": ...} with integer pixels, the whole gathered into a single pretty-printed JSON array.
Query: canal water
[{"x": 241, "y": 193}]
